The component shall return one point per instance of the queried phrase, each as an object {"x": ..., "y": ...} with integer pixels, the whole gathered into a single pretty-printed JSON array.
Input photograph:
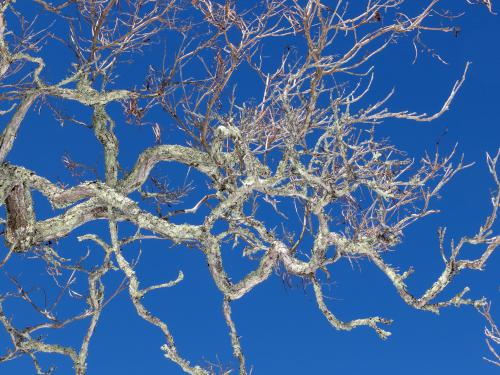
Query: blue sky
[{"x": 282, "y": 331}]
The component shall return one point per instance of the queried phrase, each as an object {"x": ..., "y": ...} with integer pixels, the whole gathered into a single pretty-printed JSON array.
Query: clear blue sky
[{"x": 282, "y": 331}]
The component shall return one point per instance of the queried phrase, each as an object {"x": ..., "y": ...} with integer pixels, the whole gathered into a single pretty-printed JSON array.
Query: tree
[{"x": 290, "y": 172}]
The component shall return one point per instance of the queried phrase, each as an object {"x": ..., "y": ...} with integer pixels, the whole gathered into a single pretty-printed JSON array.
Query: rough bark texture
[
  {"x": 20, "y": 228},
  {"x": 299, "y": 143}
]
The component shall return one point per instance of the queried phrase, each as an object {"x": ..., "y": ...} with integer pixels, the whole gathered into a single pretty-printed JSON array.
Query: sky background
[{"x": 282, "y": 331}]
